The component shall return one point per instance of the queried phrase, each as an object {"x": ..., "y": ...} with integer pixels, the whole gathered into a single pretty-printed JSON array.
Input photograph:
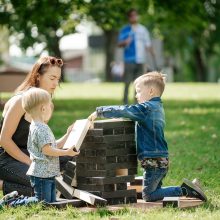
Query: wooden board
[
  {"x": 77, "y": 134},
  {"x": 141, "y": 204},
  {"x": 184, "y": 203},
  {"x": 63, "y": 203},
  {"x": 69, "y": 192}
]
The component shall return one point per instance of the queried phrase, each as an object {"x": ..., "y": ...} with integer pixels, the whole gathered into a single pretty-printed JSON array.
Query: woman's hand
[{"x": 93, "y": 116}]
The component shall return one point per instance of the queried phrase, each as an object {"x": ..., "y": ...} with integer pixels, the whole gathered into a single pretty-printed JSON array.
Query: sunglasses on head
[{"x": 55, "y": 61}]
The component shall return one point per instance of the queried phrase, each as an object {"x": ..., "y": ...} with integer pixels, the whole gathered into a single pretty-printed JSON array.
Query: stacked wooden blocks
[{"x": 107, "y": 162}]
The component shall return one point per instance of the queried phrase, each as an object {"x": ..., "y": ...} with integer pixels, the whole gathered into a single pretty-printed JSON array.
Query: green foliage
[
  {"x": 109, "y": 15},
  {"x": 39, "y": 21}
]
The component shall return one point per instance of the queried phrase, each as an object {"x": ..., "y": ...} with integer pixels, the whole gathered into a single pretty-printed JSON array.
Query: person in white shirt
[{"x": 135, "y": 39}]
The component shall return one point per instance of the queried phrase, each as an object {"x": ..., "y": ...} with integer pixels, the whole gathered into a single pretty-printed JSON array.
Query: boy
[
  {"x": 42, "y": 145},
  {"x": 152, "y": 150}
]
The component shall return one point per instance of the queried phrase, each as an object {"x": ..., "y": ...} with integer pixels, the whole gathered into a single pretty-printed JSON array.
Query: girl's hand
[
  {"x": 71, "y": 152},
  {"x": 93, "y": 116},
  {"x": 69, "y": 129}
]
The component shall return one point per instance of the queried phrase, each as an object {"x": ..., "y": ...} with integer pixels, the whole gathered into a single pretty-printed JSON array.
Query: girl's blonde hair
[
  {"x": 154, "y": 79},
  {"x": 34, "y": 97}
]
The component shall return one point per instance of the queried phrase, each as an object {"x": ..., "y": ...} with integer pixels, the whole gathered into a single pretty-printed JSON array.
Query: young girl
[{"x": 42, "y": 146}]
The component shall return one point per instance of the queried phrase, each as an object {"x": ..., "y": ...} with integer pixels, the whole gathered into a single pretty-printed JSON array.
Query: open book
[{"x": 77, "y": 134}]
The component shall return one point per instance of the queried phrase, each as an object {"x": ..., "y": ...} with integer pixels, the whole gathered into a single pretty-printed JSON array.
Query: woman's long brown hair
[{"x": 39, "y": 68}]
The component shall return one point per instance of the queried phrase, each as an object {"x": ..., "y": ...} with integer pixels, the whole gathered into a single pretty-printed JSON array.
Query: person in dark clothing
[{"x": 14, "y": 127}]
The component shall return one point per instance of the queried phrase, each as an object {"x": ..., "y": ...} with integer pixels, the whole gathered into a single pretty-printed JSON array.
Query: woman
[{"x": 14, "y": 127}]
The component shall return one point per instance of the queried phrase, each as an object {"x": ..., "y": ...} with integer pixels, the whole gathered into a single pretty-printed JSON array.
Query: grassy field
[{"x": 192, "y": 132}]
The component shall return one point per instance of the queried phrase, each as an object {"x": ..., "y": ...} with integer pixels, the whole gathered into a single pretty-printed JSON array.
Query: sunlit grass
[{"x": 192, "y": 132}]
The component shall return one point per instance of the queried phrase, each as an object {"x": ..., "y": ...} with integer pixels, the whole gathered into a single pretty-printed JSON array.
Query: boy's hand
[
  {"x": 71, "y": 152},
  {"x": 93, "y": 116}
]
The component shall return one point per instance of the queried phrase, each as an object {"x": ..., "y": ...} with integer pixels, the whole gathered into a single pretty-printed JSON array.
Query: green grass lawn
[{"x": 192, "y": 132}]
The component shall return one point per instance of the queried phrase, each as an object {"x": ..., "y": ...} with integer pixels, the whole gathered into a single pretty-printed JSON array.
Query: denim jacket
[{"x": 149, "y": 128}]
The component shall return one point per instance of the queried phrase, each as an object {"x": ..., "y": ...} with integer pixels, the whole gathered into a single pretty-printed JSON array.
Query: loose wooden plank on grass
[{"x": 69, "y": 192}]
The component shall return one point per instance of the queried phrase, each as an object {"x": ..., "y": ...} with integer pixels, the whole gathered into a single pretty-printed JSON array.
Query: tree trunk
[
  {"x": 110, "y": 46},
  {"x": 54, "y": 49},
  {"x": 201, "y": 70}
]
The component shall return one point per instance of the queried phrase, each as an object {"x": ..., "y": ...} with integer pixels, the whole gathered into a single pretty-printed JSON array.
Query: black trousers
[
  {"x": 132, "y": 71},
  {"x": 13, "y": 174}
]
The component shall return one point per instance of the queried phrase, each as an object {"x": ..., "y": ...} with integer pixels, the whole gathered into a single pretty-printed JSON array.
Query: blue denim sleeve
[{"x": 136, "y": 112}]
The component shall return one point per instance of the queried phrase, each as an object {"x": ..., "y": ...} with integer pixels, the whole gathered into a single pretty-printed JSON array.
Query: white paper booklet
[{"x": 77, "y": 134}]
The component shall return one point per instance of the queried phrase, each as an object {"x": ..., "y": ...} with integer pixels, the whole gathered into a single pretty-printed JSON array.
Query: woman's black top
[{"x": 20, "y": 136}]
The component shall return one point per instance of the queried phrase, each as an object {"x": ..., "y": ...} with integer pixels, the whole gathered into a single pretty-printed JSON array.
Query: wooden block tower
[{"x": 107, "y": 162}]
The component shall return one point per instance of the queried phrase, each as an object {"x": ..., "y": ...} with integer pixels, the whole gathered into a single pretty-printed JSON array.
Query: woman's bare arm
[{"x": 12, "y": 116}]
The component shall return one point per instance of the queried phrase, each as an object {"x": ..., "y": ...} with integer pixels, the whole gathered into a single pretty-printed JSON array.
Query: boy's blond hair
[
  {"x": 34, "y": 97},
  {"x": 154, "y": 79}
]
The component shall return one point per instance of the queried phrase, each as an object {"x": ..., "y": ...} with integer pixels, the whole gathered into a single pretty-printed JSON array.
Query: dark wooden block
[
  {"x": 71, "y": 165},
  {"x": 93, "y": 187},
  {"x": 95, "y": 132},
  {"x": 92, "y": 145},
  {"x": 117, "y": 131},
  {"x": 89, "y": 153},
  {"x": 132, "y": 199},
  {"x": 122, "y": 200},
  {"x": 97, "y": 173},
  {"x": 67, "y": 179},
  {"x": 92, "y": 166},
  {"x": 115, "y": 201},
  {"x": 113, "y": 123},
  {"x": 139, "y": 195},
  {"x": 130, "y": 130},
  {"x": 111, "y": 159},
  {"x": 117, "y": 152},
  {"x": 105, "y": 180},
  {"x": 121, "y": 137},
  {"x": 82, "y": 159},
  {"x": 71, "y": 173},
  {"x": 109, "y": 138},
  {"x": 94, "y": 139},
  {"x": 108, "y": 131},
  {"x": 101, "y": 152},
  {"x": 132, "y": 171},
  {"x": 112, "y": 145},
  {"x": 122, "y": 159},
  {"x": 130, "y": 144},
  {"x": 132, "y": 157},
  {"x": 119, "y": 193},
  {"x": 129, "y": 165},
  {"x": 113, "y": 152},
  {"x": 121, "y": 186}
]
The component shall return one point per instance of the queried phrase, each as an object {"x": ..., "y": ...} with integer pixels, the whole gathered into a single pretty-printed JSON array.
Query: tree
[
  {"x": 40, "y": 21},
  {"x": 191, "y": 26},
  {"x": 109, "y": 16}
]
